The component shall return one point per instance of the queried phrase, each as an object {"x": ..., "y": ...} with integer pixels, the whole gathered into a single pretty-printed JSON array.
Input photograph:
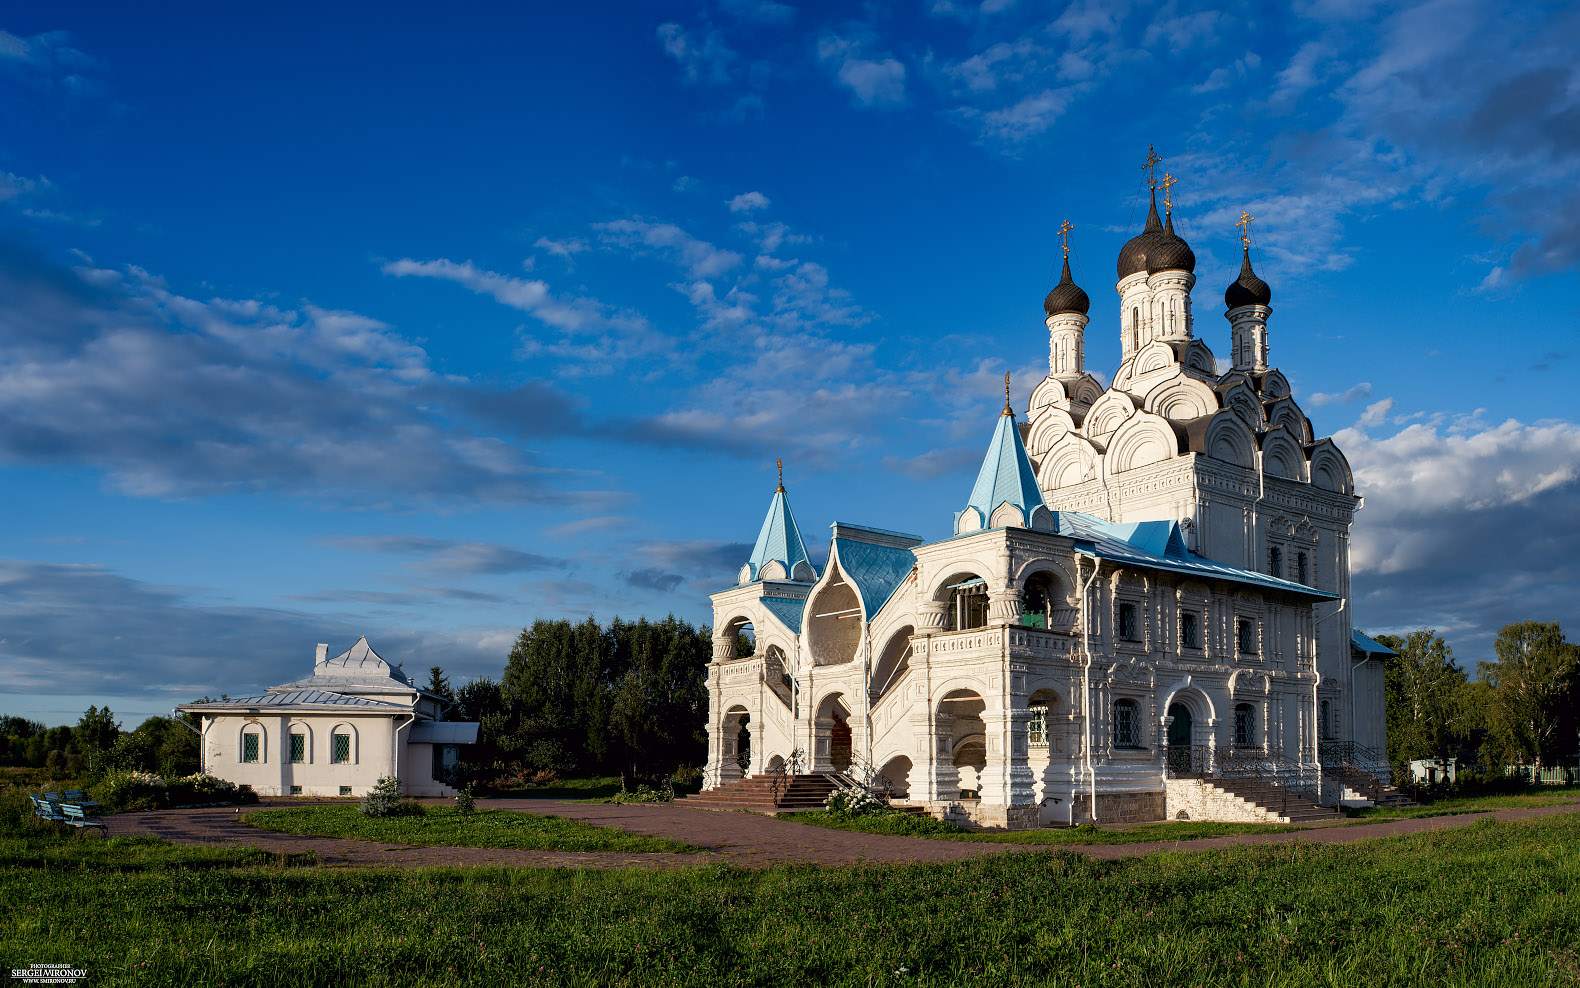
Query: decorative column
[
  {"x": 930, "y": 616},
  {"x": 1007, "y": 778}
]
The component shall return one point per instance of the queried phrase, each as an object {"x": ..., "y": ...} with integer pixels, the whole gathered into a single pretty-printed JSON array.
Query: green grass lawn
[
  {"x": 1544, "y": 796},
  {"x": 594, "y": 787},
  {"x": 905, "y": 825},
  {"x": 443, "y": 826},
  {"x": 1487, "y": 905}
]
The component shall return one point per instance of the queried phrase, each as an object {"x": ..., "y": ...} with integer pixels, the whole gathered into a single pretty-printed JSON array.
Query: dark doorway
[
  {"x": 839, "y": 744},
  {"x": 743, "y": 746},
  {"x": 1179, "y": 747}
]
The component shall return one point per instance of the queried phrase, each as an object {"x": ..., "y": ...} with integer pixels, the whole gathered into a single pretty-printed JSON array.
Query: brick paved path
[{"x": 747, "y": 840}]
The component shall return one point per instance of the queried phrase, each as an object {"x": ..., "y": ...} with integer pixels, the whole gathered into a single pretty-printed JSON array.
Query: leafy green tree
[
  {"x": 1421, "y": 689},
  {"x": 1533, "y": 694},
  {"x": 97, "y": 731}
]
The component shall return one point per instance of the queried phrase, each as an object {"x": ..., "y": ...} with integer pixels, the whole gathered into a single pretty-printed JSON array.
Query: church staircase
[
  {"x": 1357, "y": 768},
  {"x": 765, "y": 794},
  {"x": 1265, "y": 796}
]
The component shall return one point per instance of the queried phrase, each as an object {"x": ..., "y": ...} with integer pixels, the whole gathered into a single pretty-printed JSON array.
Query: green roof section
[{"x": 1006, "y": 477}]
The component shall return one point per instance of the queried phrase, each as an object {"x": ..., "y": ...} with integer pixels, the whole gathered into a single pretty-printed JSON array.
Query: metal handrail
[{"x": 1289, "y": 777}]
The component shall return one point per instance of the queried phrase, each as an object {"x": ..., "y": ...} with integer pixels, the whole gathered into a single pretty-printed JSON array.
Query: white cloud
[
  {"x": 1375, "y": 415},
  {"x": 746, "y": 202},
  {"x": 700, "y": 258},
  {"x": 1355, "y": 393},
  {"x": 530, "y": 295},
  {"x": 567, "y": 248},
  {"x": 878, "y": 81},
  {"x": 702, "y": 55}
]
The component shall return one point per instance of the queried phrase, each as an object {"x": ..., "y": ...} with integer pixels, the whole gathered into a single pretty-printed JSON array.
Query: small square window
[
  {"x": 249, "y": 747},
  {"x": 298, "y": 747},
  {"x": 1245, "y": 633},
  {"x": 345, "y": 790},
  {"x": 296, "y": 790},
  {"x": 342, "y": 749},
  {"x": 1190, "y": 634},
  {"x": 1037, "y": 726},
  {"x": 1129, "y": 627}
]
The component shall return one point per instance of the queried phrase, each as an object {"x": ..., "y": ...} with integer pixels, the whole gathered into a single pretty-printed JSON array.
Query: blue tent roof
[
  {"x": 1006, "y": 477},
  {"x": 1369, "y": 645},
  {"x": 779, "y": 540}
]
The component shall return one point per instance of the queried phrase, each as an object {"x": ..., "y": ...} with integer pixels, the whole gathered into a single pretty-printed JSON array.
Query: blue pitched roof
[
  {"x": 876, "y": 570},
  {"x": 786, "y": 610},
  {"x": 1369, "y": 645},
  {"x": 1006, "y": 476},
  {"x": 1159, "y": 545},
  {"x": 780, "y": 539}
]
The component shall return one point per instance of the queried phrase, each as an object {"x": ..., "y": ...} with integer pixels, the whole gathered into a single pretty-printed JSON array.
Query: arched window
[
  {"x": 1127, "y": 724},
  {"x": 1036, "y": 601},
  {"x": 1245, "y": 636},
  {"x": 968, "y": 605},
  {"x": 1135, "y": 328},
  {"x": 1275, "y": 562},
  {"x": 1323, "y": 723},
  {"x": 1244, "y": 725},
  {"x": 1302, "y": 569}
]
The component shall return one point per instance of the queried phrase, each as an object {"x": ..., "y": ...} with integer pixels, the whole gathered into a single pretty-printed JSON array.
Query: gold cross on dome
[
  {"x": 1245, "y": 227},
  {"x": 1169, "y": 181},
  {"x": 781, "y": 465},
  {"x": 1064, "y": 236},
  {"x": 1150, "y": 167},
  {"x": 1006, "y": 392}
]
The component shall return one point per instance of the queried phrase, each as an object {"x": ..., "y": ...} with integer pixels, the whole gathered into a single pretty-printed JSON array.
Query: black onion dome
[
  {"x": 1066, "y": 296},
  {"x": 1133, "y": 255},
  {"x": 1170, "y": 252},
  {"x": 1248, "y": 289}
]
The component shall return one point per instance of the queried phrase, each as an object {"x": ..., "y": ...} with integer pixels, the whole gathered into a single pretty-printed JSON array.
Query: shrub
[
  {"x": 841, "y": 803},
  {"x": 131, "y": 790},
  {"x": 463, "y": 801},
  {"x": 384, "y": 800},
  {"x": 644, "y": 794},
  {"x": 200, "y": 789}
]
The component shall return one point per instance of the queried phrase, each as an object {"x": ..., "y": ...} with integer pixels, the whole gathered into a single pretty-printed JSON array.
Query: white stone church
[{"x": 1141, "y": 611}]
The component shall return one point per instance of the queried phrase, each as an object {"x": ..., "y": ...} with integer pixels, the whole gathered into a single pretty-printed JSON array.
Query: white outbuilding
[{"x": 355, "y": 720}]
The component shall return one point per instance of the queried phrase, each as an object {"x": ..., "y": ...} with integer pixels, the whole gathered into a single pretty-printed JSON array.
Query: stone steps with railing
[
  {"x": 1362, "y": 770},
  {"x": 1268, "y": 780},
  {"x": 765, "y": 793}
]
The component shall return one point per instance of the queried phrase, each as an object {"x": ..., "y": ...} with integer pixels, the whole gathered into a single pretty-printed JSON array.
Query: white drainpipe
[{"x": 1086, "y": 687}]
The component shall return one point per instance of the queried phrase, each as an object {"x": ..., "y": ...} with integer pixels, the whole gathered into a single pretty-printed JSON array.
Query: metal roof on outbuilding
[
  {"x": 295, "y": 698},
  {"x": 1369, "y": 645},
  {"x": 443, "y": 732}
]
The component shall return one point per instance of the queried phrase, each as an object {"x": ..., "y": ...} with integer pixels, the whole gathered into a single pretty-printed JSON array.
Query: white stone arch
[
  {"x": 253, "y": 727},
  {"x": 958, "y": 572},
  {"x": 1108, "y": 414},
  {"x": 1048, "y": 428},
  {"x": 1229, "y": 439},
  {"x": 1155, "y": 356},
  {"x": 1199, "y": 357},
  {"x": 1329, "y": 469},
  {"x": 1086, "y": 391},
  {"x": 727, "y": 628},
  {"x": 1282, "y": 455},
  {"x": 900, "y": 777},
  {"x": 1144, "y": 439},
  {"x": 1245, "y": 403},
  {"x": 298, "y": 726},
  {"x": 1180, "y": 398},
  {"x": 1049, "y": 391},
  {"x": 1070, "y": 462},
  {"x": 1194, "y": 697},
  {"x": 894, "y": 654},
  {"x": 1056, "y": 567},
  {"x": 1275, "y": 385},
  {"x": 737, "y": 716},
  {"x": 1284, "y": 412},
  {"x": 833, "y": 617},
  {"x": 346, "y": 727}
]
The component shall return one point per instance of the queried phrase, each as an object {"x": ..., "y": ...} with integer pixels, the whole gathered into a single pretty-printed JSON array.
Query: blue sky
[{"x": 317, "y": 322}]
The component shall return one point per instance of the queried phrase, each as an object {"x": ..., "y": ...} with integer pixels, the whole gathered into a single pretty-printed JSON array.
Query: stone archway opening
[
  {"x": 833, "y": 628},
  {"x": 832, "y": 735},
  {"x": 897, "y": 773},
  {"x": 737, "y": 744},
  {"x": 964, "y": 745},
  {"x": 966, "y": 595}
]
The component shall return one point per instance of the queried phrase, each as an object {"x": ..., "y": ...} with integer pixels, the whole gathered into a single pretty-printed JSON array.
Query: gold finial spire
[
  {"x": 1007, "y": 410},
  {"x": 1245, "y": 228},
  {"x": 1169, "y": 181},
  {"x": 781, "y": 488},
  {"x": 1150, "y": 167},
  {"x": 1064, "y": 237}
]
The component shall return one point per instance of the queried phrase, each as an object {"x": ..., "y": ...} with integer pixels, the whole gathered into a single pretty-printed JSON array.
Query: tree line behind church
[
  {"x": 627, "y": 699},
  {"x": 1522, "y": 709}
]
